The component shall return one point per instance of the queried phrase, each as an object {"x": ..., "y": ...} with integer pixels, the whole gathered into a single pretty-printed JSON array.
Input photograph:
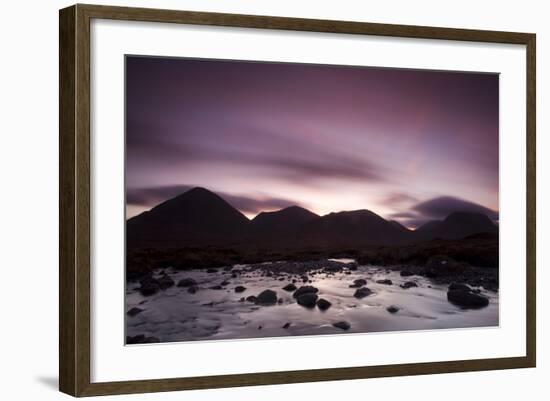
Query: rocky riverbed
[{"x": 301, "y": 298}]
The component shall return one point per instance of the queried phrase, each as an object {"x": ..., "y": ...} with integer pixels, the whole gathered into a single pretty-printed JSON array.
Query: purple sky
[{"x": 409, "y": 145}]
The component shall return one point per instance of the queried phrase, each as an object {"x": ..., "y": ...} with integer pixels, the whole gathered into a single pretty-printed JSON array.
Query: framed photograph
[{"x": 250, "y": 200}]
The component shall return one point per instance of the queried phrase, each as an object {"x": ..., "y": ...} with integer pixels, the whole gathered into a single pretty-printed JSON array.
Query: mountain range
[{"x": 199, "y": 218}]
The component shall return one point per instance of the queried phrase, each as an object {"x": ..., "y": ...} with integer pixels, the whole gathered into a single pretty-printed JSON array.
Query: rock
[
  {"x": 216, "y": 287},
  {"x": 467, "y": 299},
  {"x": 459, "y": 286},
  {"x": 211, "y": 270},
  {"x": 406, "y": 273},
  {"x": 165, "y": 282},
  {"x": 408, "y": 284},
  {"x": 305, "y": 290},
  {"x": 242, "y": 299},
  {"x": 240, "y": 288},
  {"x": 289, "y": 287},
  {"x": 186, "y": 282},
  {"x": 385, "y": 281},
  {"x": 362, "y": 293},
  {"x": 251, "y": 298},
  {"x": 352, "y": 266},
  {"x": 266, "y": 297},
  {"x": 392, "y": 309},
  {"x": 308, "y": 299},
  {"x": 141, "y": 339},
  {"x": 305, "y": 279},
  {"x": 149, "y": 287},
  {"x": 193, "y": 289},
  {"x": 286, "y": 325},
  {"x": 342, "y": 325},
  {"x": 323, "y": 304},
  {"x": 224, "y": 283},
  {"x": 134, "y": 311},
  {"x": 360, "y": 282}
]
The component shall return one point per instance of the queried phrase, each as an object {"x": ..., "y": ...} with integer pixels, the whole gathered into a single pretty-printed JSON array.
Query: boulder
[
  {"x": 385, "y": 281},
  {"x": 408, "y": 284},
  {"x": 134, "y": 311},
  {"x": 240, "y": 288},
  {"x": 360, "y": 282},
  {"x": 193, "y": 289},
  {"x": 406, "y": 273},
  {"x": 149, "y": 287},
  {"x": 467, "y": 299},
  {"x": 286, "y": 325},
  {"x": 362, "y": 293},
  {"x": 323, "y": 304},
  {"x": 305, "y": 290},
  {"x": 186, "y": 282},
  {"x": 342, "y": 325},
  {"x": 289, "y": 287},
  {"x": 308, "y": 299},
  {"x": 392, "y": 309},
  {"x": 165, "y": 282},
  {"x": 251, "y": 298},
  {"x": 266, "y": 297}
]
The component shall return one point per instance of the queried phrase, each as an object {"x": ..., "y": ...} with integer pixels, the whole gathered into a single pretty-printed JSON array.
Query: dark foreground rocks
[
  {"x": 323, "y": 304},
  {"x": 392, "y": 309},
  {"x": 360, "y": 282},
  {"x": 187, "y": 282},
  {"x": 305, "y": 290},
  {"x": 308, "y": 299},
  {"x": 134, "y": 311},
  {"x": 408, "y": 284},
  {"x": 362, "y": 293},
  {"x": 240, "y": 288},
  {"x": 385, "y": 281},
  {"x": 141, "y": 339},
  {"x": 266, "y": 297},
  {"x": 289, "y": 287},
  {"x": 463, "y": 296},
  {"x": 342, "y": 325}
]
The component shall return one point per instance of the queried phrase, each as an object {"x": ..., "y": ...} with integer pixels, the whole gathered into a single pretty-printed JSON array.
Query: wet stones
[
  {"x": 134, "y": 311},
  {"x": 308, "y": 299},
  {"x": 392, "y": 309},
  {"x": 305, "y": 290},
  {"x": 149, "y": 286},
  {"x": 408, "y": 284},
  {"x": 360, "y": 282},
  {"x": 385, "y": 281},
  {"x": 193, "y": 289},
  {"x": 286, "y": 325},
  {"x": 141, "y": 339},
  {"x": 406, "y": 273},
  {"x": 342, "y": 325},
  {"x": 251, "y": 298},
  {"x": 289, "y": 287},
  {"x": 240, "y": 288},
  {"x": 362, "y": 293},
  {"x": 187, "y": 282},
  {"x": 165, "y": 282},
  {"x": 463, "y": 296},
  {"x": 323, "y": 304},
  {"x": 266, "y": 297}
]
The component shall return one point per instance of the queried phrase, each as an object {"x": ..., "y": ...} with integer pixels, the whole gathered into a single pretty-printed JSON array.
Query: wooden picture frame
[{"x": 74, "y": 205}]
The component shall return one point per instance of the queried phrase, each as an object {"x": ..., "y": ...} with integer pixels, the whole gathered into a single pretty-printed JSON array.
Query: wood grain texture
[{"x": 74, "y": 199}]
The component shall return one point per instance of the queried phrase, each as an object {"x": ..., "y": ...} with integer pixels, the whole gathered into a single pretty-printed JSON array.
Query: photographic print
[{"x": 281, "y": 199}]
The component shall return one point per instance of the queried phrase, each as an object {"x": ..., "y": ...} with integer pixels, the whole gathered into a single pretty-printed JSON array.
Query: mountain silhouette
[
  {"x": 358, "y": 227},
  {"x": 455, "y": 226},
  {"x": 196, "y": 217},
  {"x": 199, "y": 218}
]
